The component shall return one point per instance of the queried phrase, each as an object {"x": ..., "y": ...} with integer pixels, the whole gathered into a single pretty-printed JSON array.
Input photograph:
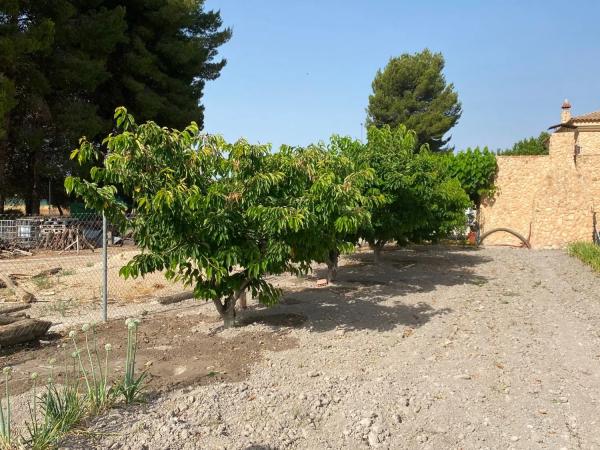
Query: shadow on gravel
[{"x": 368, "y": 296}]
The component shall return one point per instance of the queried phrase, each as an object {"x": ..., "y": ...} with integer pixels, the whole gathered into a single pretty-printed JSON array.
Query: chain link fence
[{"x": 62, "y": 263}]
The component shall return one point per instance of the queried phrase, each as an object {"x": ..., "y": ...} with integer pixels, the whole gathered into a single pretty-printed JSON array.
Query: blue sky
[{"x": 301, "y": 70}]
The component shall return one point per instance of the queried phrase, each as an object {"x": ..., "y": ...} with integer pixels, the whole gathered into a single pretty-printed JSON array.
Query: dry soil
[{"x": 435, "y": 348}]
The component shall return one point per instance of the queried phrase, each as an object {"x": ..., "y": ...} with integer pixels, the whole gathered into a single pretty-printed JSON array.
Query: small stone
[
  {"x": 366, "y": 422},
  {"x": 313, "y": 374},
  {"x": 373, "y": 439},
  {"x": 462, "y": 376},
  {"x": 514, "y": 438},
  {"x": 563, "y": 399}
]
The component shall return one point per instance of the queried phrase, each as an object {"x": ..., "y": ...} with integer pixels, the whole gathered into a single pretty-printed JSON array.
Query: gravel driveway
[{"x": 436, "y": 348}]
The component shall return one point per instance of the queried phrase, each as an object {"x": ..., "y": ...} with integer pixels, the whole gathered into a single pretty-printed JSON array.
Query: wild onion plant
[
  {"x": 131, "y": 386},
  {"x": 61, "y": 407},
  {"x": 5, "y": 431},
  {"x": 99, "y": 394}
]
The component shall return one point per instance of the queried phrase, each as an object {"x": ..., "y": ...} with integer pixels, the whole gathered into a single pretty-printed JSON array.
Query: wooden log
[
  {"x": 6, "y": 320},
  {"x": 47, "y": 272},
  {"x": 11, "y": 308},
  {"x": 22, "y": 331},
  {"x": 175, "y": 298},
  {"x": 22, "y": 294}
]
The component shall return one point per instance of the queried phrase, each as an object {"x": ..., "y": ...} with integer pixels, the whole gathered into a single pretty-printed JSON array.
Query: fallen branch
[
  {"x": 175, "y": 298},
  {"x": 22, "y": 294},
  {"x": 47, "y": 272}
]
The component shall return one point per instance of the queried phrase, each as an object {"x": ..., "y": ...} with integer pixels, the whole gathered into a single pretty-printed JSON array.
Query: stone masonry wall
[{"x": 548, "y": 199}]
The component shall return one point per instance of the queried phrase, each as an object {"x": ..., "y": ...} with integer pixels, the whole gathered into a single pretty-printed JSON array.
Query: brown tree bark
[{"x": 332, "y": 265}]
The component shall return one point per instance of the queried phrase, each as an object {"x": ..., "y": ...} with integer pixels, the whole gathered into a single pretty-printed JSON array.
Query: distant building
[{"x": 550, "y": 199}]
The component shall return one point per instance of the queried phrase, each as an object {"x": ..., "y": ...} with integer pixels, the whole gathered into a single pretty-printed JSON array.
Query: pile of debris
[
  {"x": 68, "y": 238},
  {"x": 16, "y": 327},
  {"x": 10, "y": 250}
]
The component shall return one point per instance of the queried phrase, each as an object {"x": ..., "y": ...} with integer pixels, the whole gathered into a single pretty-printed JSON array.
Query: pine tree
[
  {"x": 160, "y": 70},
  {"x": 67, "y": 64},
  {"x": 412, "y": 91},
  {"x": 20, "y": 84}
]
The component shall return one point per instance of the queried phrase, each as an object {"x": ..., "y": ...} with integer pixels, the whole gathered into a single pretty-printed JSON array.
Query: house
[{"x": 550, "y": 199}]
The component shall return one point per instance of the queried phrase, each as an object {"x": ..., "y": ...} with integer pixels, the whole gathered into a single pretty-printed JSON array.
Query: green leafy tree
[
  {"x": 420, "y": 200},
  {"x": 530, "y": 146},
  {"x": 325, "y": 183},
  {"x": 476, "y": 170},
  {"x": 208, "y": 213},
  {"x": 412, "y": 90}
]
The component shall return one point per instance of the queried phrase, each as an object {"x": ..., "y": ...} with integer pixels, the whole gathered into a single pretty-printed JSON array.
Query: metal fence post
[{"x": 104, "y": 268}]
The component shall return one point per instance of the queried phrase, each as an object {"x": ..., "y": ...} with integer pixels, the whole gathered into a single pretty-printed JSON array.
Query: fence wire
[{"x": 59, "y": 260}]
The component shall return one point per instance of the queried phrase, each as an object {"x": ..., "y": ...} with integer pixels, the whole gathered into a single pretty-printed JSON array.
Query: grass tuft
[{"x": 587, "y": 252}]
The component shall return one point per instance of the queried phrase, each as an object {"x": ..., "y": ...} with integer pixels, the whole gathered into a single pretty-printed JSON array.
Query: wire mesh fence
[{"x": 59, "y": 261}]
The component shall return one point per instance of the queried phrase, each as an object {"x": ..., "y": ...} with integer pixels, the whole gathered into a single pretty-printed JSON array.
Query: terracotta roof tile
[{"x": 589, "y": 117}]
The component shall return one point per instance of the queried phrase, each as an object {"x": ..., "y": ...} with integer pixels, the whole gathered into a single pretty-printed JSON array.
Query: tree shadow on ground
[{"x": 369, "y": 296}]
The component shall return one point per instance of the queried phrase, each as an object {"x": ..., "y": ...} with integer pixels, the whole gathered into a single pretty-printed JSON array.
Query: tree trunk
[
  {"x": 32, "y": 203},
  {"x": 332, "y": 265},
  {"x": 244, "y": 300},
  {"x": 229, "y": 313},
  {"x": 377, "y": 247},
  {"x": 226, "y": 309}
]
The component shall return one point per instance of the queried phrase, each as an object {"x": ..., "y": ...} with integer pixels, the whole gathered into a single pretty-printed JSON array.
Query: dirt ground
[
  {"x": 435, "y": 348},
  {"x": 72, "y": 295}
]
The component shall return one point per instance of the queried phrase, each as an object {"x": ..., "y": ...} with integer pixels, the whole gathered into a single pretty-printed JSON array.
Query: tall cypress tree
[{"x": 412, "y": 90}]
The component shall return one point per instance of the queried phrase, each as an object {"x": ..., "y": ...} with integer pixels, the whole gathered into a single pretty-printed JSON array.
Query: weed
[
  {"x": 43, "y": 282},
  {"x": 587, "y": 252},
  {"x": 67, "y": 272},
  {"x": 61, "y": 306},
  {"x": 6, "y": 292}
]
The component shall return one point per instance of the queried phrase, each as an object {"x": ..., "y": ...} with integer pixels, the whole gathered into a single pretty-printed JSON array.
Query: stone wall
[{"x": 548, "y": 199}]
